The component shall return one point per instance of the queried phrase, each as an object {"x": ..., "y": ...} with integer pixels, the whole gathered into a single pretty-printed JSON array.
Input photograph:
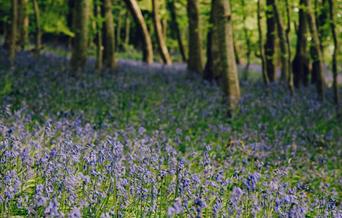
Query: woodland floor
[{"x": 152, "y": 140}]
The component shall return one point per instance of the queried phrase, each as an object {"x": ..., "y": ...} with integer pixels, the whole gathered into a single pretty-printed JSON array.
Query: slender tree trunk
[
  {"x": 70, "y": 20},
  {"x": 317, "y": 66},
  {"x": 226, "y": 65},
  {"x": 38, "y": 33},
  {"x": 195, "y": 59},
  {"x": 334, "y": 56},
  {"x": 23, "y": 20},
  {"x": 175, "y": 27},
  {"x": 282, "y": 44},
  {"x": 300, "y": 64},
  {"x": 164, "y": 53},
  {"x": 208, "y": 73},
  {"x": 80, "y": 43},
  {"x": 287, "y": 36},
  {"x": 118, "y": 33},
  {"x": 261, "y": 47},
  {"x": 139, "y": 18},
  {"x": 270, "y": 40},
  {"x": 13, "y": 36},
  {"x": 108, "y": 35},
  {"x": 127, "y": 30},
  {"x": 247, "y": 40},
  {"x": 237, "y": 56},
  {"x": 99, "y": 37}
]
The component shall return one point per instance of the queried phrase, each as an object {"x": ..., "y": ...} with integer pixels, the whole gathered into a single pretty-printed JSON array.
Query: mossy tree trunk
[
  {"x": 139, "y": 19},
  {"x": 260, "y": 42},
  {"x": 23, "y": 23},
  {"x": 38, "y": 31},
  {"x": 334, "y": 55},
  {"x": 247, "y": 40},
  {"x": 300, "y": 64},
  {"x": 164, "y": 53},
  {"x": 317, "y": 65},
  {"x": 224, "y": 60},
  {"x": 108, "y": 35},
  {"x": 98, "y": 37},
  {"x": 80, "y": 42},
  {"x": 195, "y": 59},
  {"x": 287, "y": 36},
  {"x": 175, "y": 27},
  {"x": 13, "y": 34},
  {"x": 270, "y": 40}
]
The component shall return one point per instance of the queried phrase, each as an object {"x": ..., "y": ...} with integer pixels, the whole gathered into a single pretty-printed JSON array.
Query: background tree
[
  {"x": 80, "y": 43},
  {"x": 195, "y": 60},
  {"x": 225, "y": 59},
  {"x": 260, "y": 42},
  {"x": 108, "y": 35},
  {"x": 13, "y": 34},
  {"x": 139, "y": 18},
  {"x": 164, "y": 52},
  {"x": 38, "y": 32},
  {"x": 270, "y": 40},
  {"x": 23, "y": 23}
]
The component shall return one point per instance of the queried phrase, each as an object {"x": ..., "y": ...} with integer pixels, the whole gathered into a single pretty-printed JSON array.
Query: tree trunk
[
  {"x": 99, "y": 37},
  {"x": 38, "y": 33},
  {"x": 195, "y": 59},
  {"x": 23, "y": 25},
  {"x": 287, "y": 36},
  {"x": 108, "y": 35},
  {"x": 283, "y": 45},
  {"x": 237, "y": 56},
  {"x": 80, "y": 42},
  {"x": 300, "y": 64},
  {"x": 175, "y": 27},
  {"x": 139, "y": 18},
  {"x": 225, "y": 58},
  {"x": 13, "y": 36},
  {"x": 334, "y": 56},
  {"x": 261, "y": 47},
  {"x": 118, "y": 33},
  {"x": 164, "y": 53},
  {"x": 317, "y": 66},
  {"x": 270, "y": 40},
  {"x": 127, "y": 30},
  {"x": 247, "y": 40}
]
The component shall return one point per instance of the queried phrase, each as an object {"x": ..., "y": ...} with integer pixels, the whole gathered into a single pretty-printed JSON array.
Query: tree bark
[
  {"x": 118, "y": 33},
  {"x": 13, "y": 35},
  {"x": 225, "y": 58},
  {"x": 261, "y": 47},
  {"x": 282, "y": 44},
  {"x": 300, "y": 64},
  {"x": 175, "y": 27},
  {"x": 164, "y": 53},
  {"x": 195, "y": 59},
  {"x": 139, "y": 19},
  {"x": 38, "y": 33},
  {"x": 127, "y": 30},
  {"x": 108, "y": 35},
  {"x": 334, "y": 55},
  {"x": 247, "y": 40},
  {"x": 317, "y": 66},
  {"x": 99, "y": 37},
  {"x": 23, "y": 20},
  {"x": 80, "y": 42},
  {"x": 287, "y": 36},
  {"x": 270, "y": 40}
]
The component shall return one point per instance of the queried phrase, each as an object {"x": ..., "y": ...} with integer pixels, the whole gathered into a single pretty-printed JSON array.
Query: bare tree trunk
[
  {"x": 23, "y": 23},
  {"x": 175, "y": 27},
  {"x": 300, "y": 64},
  {"x": 127, "y": 30},
  {"x": 38, "y": 33},
  {"x": 108, "y": 35},
  {"x": 261, "y": 47},
  {"x": 287, "y": 36},
  {"x": 237, "y": 56},
  {"x": 13, "y": 36},
  {"x": 118, "y": 33},
  {"x": 139, "y": 18},
  {"x": 270, "y": 41},
  {"x": 164, "y": 53},
  {"x": 195, "y": 59},
  {"x": 247, "y": 40},
  {"x": 317, "y": 66},
  {"x": 283, "y": 45},
  {"x": 334, "y": 56},
  {"x": 80, "y": 43},
  {"x": 98, "y": 38},
  {"x": 226, "y": 65}
]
